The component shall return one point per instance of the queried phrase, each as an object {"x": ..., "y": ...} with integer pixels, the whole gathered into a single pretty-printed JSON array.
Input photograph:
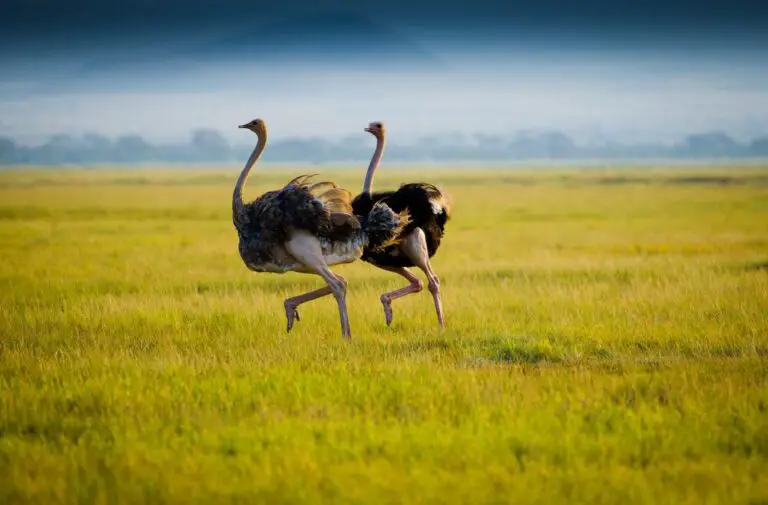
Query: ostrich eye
[{"x": 377, "y": 125}]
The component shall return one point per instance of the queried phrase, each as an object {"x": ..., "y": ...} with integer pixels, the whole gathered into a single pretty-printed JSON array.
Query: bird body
[
  {"x": 323, "y": 210},
  {"x": 267, "y": 222},
  {"x": 428, "y": 208}
]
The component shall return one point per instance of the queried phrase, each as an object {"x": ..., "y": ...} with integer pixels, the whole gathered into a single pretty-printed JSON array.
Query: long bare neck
[
  {"x": 237, "y": 195},
  {"x": 374, "y": 164}
]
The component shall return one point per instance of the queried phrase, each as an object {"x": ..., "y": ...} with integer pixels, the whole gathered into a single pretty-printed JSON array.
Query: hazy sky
[{"x": 632, "y": 71}]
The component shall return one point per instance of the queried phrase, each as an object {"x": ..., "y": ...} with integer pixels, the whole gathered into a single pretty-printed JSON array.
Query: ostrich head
[
  {"x": 257, "y": 126},
  {"x": 376, "y": 129}
]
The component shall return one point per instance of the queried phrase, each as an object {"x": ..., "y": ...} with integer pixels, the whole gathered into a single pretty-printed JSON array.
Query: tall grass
[{"x": 607, "y": 342}]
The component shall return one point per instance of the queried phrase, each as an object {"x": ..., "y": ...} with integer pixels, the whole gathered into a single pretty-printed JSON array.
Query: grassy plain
[{"x": 607, "y": 342}]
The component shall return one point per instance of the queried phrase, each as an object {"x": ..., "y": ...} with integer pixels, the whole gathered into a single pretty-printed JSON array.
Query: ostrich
[
  {"x": 428, "y": 208},
  {"x": 305, "y": 228}
]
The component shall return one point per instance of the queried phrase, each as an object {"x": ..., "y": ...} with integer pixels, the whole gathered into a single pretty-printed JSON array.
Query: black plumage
[{"x": 428, "y": 208}]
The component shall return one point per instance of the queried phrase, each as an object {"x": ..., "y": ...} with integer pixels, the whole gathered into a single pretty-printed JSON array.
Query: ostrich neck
[
  {"x": 237, "y": 196},
  {"x": 374, "y": 164}
]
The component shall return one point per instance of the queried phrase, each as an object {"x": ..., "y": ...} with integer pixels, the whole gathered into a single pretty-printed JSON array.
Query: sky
[{"x": 631, "y": 71}]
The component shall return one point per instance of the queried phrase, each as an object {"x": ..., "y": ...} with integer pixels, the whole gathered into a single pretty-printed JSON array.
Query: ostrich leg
[
  {"x": 415, "y": 286},
  {"x": 434, "y": 288},
  {"x": 415, "y": 247},
  {"x": 306, "y": 249},
  {"x": 292, "y": 304}
]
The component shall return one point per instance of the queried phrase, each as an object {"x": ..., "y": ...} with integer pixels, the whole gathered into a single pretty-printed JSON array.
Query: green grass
[{"x": 607, "y": 342}]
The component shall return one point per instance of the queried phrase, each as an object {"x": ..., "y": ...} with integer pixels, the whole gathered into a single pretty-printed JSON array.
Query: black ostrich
[{"x": 428, "y": 207}]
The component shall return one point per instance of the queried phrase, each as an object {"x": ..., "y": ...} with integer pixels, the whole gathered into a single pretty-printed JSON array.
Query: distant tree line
[{"x": 210, "y": 146}]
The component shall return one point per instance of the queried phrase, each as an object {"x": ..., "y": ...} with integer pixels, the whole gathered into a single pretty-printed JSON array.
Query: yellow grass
[{"x": 606, "y": 343}]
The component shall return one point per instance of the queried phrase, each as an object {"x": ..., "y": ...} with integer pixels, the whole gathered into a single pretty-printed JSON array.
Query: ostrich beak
[
  {"x": 243, "y": 126},
  {"x": 367, "y": 129}
]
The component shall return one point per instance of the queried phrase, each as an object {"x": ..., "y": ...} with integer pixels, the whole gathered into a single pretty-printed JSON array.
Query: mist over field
[{"x": 614, "y": 82}]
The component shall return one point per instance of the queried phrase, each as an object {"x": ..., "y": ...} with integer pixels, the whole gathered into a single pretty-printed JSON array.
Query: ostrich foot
[
  {"x": 387, "y": 303},
  {"x": 291, "y": 316}
]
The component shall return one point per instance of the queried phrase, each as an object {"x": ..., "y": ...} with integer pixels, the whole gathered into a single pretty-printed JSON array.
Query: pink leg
[
  {"x": 415, "y": 247},
  {"x": 292, "y": 304},
  {"x": 434, "y": 288},
  {"x": 415, "y": 286},
  {"x": 306, "y": 249}
]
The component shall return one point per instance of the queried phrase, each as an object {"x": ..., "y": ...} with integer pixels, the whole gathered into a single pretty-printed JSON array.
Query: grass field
[{"x": 607, "y": 342}]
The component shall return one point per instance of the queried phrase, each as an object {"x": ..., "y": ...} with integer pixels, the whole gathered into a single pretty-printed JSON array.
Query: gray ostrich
[{"x": 305, "y": 228}]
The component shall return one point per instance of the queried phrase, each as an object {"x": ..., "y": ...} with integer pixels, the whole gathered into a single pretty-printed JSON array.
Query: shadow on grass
[
  {"x": 506, "y": 350},
  {"x": 564, "y": 276},
  {"x": 424, "y": 346},
  {"x": 524, "y": 350},
  {"x": 562, "y": 350},
  {"x": 756, "y": 266}
]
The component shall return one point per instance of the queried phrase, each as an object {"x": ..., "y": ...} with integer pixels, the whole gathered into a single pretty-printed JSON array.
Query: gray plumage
[{"x": 322, "y": 209}]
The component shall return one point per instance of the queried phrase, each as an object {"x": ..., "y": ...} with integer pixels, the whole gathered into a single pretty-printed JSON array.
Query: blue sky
[{"x": 626, "y": 70}]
